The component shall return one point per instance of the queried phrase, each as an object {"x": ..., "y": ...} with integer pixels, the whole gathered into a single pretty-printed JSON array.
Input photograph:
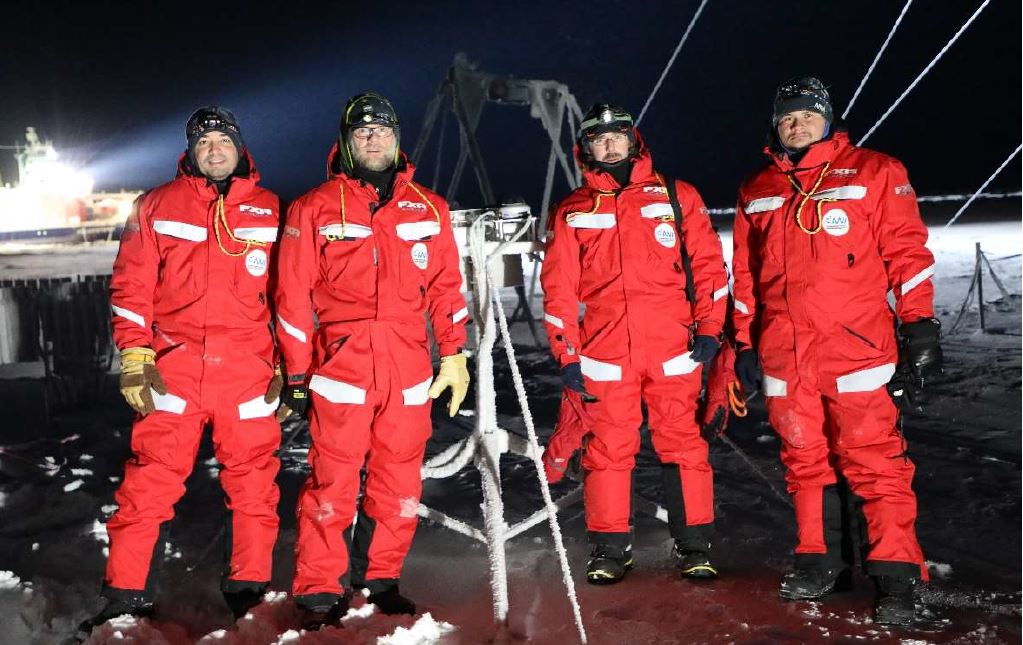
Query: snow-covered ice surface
[{"x": 965, "y": 443}]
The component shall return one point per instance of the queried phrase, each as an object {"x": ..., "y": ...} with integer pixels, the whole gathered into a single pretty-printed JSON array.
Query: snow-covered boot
[
  {"x": 131, "y": 606},
  {"x": 893, "y": 604},
  {"x": 390, "y": 602},
  {"x": 814, "y": 582},
  {"x": 693, "y": 563},
  {"x": 313, "y": 618},
  {"x": 242, "y": 597},
  {"x": 608, "y": 564}
]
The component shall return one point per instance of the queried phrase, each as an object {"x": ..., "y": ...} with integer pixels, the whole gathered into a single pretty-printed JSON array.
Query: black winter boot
[
  {"x": 893, "y": 604},
  {"x": 814, "y": 582},
  {"x": 316, "y": 617},
  {"x": 390, "y": 602},
  {"x": 608, "y": 564},
  {"x": 241, "y": 597},
  {"x": 137, "y": 607},
  {"x": 693, "y": 563}
]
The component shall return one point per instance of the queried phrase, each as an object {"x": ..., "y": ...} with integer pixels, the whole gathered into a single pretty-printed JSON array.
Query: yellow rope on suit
[{"x": 809, "y": 195}]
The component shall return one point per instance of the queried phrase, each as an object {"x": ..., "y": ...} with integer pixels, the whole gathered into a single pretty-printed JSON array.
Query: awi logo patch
[
  {"x": 836, "y": 222},
  {"x": 255, "y": 262},
  {"x": 420, "y": 255},
  {"x": 665, "y": 234}
]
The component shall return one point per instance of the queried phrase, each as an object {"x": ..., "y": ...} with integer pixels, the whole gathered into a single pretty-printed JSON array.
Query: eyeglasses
[
  {"x": 380, "y": 132},
  {"x": 607, "y": 138}
]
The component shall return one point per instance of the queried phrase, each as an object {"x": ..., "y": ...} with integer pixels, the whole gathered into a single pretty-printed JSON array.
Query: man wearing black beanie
[{"x": 822, "y": 234}]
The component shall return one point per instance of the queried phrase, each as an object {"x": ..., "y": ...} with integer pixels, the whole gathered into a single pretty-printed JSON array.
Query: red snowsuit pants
[
  {"x": 824, "y": 429},
  {"x": 370, "y": 407},
  {"x": 610, "y": 452},
  {"x": 165, "y": 443}
]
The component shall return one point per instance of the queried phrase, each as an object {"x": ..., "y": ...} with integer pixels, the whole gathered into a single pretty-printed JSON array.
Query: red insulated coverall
[
  {"x": 369, "y": 270},
  {"x": 615, "y": 250},
  {"x": 815, "y": 308},
  {"x": 195, "y": 291}
]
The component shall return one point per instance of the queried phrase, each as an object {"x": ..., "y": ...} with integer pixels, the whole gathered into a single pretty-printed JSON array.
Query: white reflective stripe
[
  {"x": 337, "y": 391},
  {"x": 554, "y": 320},
  {"x": 189, "y": 232},
  {"x": 681, "y": 364},
  {"x": 775, "y": 386},
  {"x": 292, "y": 330},
  {"x": 418, "y": 394},
  {"x": 460, "y": 315},
  {"x": 592, "y": 220},
  {"x": 842, "y": 192},
  {"x": 764, "y": 204},
  {"x": 866, "y": 380},
  {"x": 600, "y": 371},
  {"x": 417, "y": 230},
  {"x": 721, "y": 293},
  {"x": 257, "y": 233},
  {"x": 741, "y": 306},
  {"x": 916, "y": 280},
  {"x": 350, "y": 230},
  {"x": 130, "y": 315},
  {"x": 256, "y": 408},
  {"x": 659, "y": 209},
  {"x": 168, "y": 402}
]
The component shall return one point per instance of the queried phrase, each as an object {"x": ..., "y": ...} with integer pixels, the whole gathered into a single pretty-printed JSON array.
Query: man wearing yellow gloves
[
  {"x": 371, "y": 253},
  {"x": 191, "y": 317}
]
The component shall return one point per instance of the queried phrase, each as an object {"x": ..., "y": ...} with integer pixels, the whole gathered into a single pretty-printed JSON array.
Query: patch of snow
[
  {"x": 109, "y": 509},
  {"x": 84, "y": 457},
  {"x": 81, "y": 472},
  {"x": 8, "y": 580},
  {"x": 99, "y": 531},
  {"x": 35, "y": 546},
  {"x": 75, "y": 485},
  {"x": 766, "y": 438},
  {"x": 425, "y": 630},
  {"x": 939, "y": 569}
]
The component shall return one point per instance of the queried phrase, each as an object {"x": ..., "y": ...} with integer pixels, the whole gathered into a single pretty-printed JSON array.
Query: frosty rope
[
  {"x": 924, "y": 72},
  {"x": 671, "y": 61},
  {"x": 984, "y": 185},
  {"x": 527, "y": 418},
  {"x": 870, "y": 70}
]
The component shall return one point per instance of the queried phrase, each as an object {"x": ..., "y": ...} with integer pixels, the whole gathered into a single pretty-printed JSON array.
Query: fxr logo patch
[
  {"x": 406, "y": 205},
  {"x": 256, "y": 210},
  {"x": 292, "y": 231},
  {"x": 904, "y": 190},
  {"x": 655, "y": 189},
  {"x": 843, "y": 172}
]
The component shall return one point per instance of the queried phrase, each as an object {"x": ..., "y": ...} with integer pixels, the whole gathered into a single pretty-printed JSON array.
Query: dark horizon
[{"x": 111, "y": 85}]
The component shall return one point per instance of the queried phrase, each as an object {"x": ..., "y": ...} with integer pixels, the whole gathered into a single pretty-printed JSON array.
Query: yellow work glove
[
  {"x": 138, "y": 374},
  {"x": 454, "y": 375}
]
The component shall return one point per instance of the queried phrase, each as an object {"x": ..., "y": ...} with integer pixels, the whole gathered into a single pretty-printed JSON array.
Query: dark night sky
[{"x": 111, "y": 84}]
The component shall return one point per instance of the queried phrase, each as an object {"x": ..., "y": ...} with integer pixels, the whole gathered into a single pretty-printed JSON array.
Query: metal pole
[{"x": 980, "y": 287}]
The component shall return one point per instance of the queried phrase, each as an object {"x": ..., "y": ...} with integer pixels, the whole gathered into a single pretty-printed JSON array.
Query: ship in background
[{"x": 53, "y": 201}]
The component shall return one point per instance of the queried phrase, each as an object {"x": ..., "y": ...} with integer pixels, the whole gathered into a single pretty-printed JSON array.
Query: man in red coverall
[
  {"x": 369, "y": 251},
  {"x": 190, "y": 316},
  {"x": 614, "y": 246},
  {"x": 822, "y": 233}
]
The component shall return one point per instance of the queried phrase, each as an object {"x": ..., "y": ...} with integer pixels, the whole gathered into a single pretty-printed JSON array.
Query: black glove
[
  {"x": 747, "y": 369},
  {"x": 572, "y": 378},
  {"x": 705, "y": 348},
  {"x": 294, "y": 398},
  {"x": 920, "y": 360}
]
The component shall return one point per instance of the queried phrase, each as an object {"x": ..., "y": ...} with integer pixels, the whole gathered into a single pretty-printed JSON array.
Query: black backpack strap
[{"x": 687, "y": 262}]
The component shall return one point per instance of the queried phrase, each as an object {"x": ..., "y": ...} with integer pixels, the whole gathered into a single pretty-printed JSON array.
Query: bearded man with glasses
[{"x": 370, "y": 253}]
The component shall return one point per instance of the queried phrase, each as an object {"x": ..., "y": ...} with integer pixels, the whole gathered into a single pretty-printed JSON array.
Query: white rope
[
  {"x": 527, "y": 418},
  {"x": 453, "y": 459},
  {"x": 924, "y": 73},
  {"x": 984, "y": 185},
  {"x": 870, "y": 70},
  {"x": 671, "y": 61}
]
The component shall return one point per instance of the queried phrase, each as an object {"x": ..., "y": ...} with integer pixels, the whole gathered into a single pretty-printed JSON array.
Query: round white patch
[
  {"x": 836, "y": 222},
  {"x": 255, "y": 262},
  {"x": 420, "y": 255},
  {"x": 665, "y": 234}
]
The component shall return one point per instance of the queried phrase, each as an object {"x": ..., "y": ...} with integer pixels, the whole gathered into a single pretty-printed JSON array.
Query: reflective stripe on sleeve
[
  {"x": 292, "y": 330},
  {"x": 554, "y": 320},
  {"x": 128, "y": 314},
  {"x": 741, "y": 306},
  {"x": 917, "y": 280}
]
